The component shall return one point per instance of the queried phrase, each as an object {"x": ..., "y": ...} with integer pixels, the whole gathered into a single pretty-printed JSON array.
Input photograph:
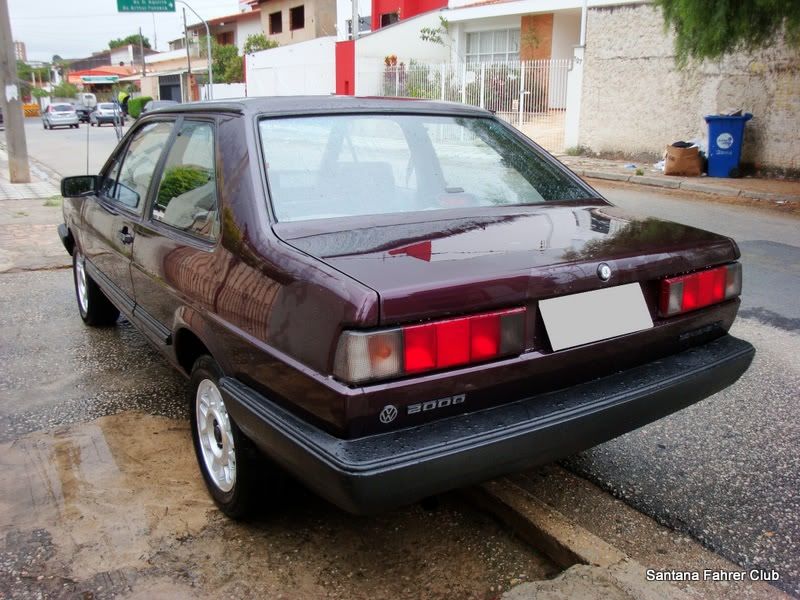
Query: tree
[
  {"x": 131, "y": 39},
  {"x": 226, "y": 62},
  {"x": 256, "y": 42},
  {"x": 714, "y": 28},
  {"x": 65, "y": 89}
]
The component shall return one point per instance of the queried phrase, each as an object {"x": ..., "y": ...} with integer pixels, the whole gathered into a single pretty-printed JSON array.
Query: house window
[
  {"x": 275, "y": 22},
  {"x": 225, "y": 38},
  {"x": 493, "y": 46},
  {"x": 389, "y": 18},
  {"x": 297, "y": 17}
]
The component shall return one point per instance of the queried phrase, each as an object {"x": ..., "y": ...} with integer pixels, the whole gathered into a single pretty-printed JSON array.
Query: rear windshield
[
  {"x": 348, "y": 165},
  {"x": 106, "y": 106},
  {"x": 63, "y": 107}
]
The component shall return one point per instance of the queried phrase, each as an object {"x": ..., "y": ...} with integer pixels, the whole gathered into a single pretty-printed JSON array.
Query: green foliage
[
  {"x": 135, "y": 105},
  {"x": 713, "y": 28},
  {"x": 639, "y": 172},
  {"x": 436, "y": 35},
  {"x": 65, "y": 89},
  {"x": 25, "y": 76},
  {"x": 53, "y": 201},
  {"x": 179, "y": 180},
  {"x": 226, "y": 63},
  {"x": 576, "y": 151},
  {"x": 256, "y": 42},
  {"x": 131, "y": 39},
  {"x": 39, "y": 93}
]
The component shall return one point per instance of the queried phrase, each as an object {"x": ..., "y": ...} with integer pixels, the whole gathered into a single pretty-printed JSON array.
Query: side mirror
[{"x": 78, "y": 186}]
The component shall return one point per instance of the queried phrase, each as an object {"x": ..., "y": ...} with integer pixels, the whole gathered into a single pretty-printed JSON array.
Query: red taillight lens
[
  {"x": 697, "y": 290},
  {"x": 437, "y": 345}
]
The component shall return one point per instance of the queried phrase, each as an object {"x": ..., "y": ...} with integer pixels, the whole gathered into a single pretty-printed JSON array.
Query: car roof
[{"x": 300, "y": 105}]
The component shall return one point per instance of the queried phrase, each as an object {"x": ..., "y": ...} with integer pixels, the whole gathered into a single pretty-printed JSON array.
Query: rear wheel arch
[{"x": 188, "y": 348}]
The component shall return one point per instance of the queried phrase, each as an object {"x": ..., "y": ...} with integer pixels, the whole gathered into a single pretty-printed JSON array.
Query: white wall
[
  {"x": 247, "y": 27},
  {"x": 566, "y": 33},
  {"x": 225, "y": 90},
  {"x": 302, "y": 68}
]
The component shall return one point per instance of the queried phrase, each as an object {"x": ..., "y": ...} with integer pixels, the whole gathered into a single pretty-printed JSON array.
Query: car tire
[
  {"x": 93, "y": 305},
  {"x": 229, "y": 462}
]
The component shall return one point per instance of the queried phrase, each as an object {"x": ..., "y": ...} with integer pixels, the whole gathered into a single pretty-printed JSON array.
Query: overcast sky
[{"x": 76, "y": 28}]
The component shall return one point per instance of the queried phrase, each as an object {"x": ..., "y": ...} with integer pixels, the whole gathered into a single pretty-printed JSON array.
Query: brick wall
[{"x": 536, "y": 37}]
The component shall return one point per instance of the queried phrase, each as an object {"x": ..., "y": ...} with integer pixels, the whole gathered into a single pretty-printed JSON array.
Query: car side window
[
  {"x": 187, "y": 193},
  {"x": 139, "y": 163}
]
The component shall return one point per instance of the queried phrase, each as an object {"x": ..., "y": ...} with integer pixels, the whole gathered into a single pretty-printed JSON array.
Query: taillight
[
  {"x": 372, "y": 355},
  {"x": 698, "y": 290}
]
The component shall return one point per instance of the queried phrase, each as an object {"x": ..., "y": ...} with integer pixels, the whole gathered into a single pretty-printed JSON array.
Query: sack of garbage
[{"x": 683, "y": 159}]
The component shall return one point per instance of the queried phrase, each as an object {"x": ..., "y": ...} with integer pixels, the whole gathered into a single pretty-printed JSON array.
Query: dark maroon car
[{"x": 392, "y": 298}]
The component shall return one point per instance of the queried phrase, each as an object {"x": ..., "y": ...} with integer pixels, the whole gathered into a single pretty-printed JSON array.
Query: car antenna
[{"x": 87, "y": 147}]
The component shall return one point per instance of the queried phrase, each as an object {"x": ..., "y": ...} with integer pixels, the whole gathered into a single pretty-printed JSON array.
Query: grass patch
[
  {"x": 20, "y": 213},
  {"x": 53, "y": 201},
  {"x": 639, "y": 171},
  {"x": 576, "y": 151}
]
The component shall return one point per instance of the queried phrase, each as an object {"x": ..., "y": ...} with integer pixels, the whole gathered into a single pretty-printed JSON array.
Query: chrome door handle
[{"x": 124, "y": 237}]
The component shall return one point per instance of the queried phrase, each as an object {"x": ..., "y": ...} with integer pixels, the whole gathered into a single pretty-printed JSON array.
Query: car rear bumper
[{"x": 381, "y": 471}]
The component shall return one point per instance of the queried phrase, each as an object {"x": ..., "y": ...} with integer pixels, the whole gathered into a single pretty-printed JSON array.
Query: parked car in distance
[
  {"x": 106, "y": 112},
  {"x": 83, "y": 112},
  {"x": 60, "y": 114},
  {"x": 391, "y": 298},
  {"x": 156, "y": 104}
]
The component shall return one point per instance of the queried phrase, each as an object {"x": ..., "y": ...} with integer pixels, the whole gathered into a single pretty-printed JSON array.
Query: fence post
[
  {"x": 483, "y": 82},
  {"x": 464, "y": 84},
  {"x": 397, "y": 81},
  {"x": 442, "y": 80},
  {"x": 521, "y": 91}
]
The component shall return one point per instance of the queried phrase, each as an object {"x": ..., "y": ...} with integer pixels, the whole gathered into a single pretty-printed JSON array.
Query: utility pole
[
  {"x": 141, "y": 49},
  {"x": 188, "y": 60},
  {"x": 18, "y": 168}
]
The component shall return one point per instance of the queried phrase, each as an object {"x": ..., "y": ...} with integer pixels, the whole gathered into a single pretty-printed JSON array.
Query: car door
[
  {"x": 173, "y": 258},
  {"x": 118, "y": 205}
]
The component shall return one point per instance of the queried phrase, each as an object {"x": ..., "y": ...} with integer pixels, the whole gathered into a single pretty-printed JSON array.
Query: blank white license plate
[{"x": 593, "y": 316}]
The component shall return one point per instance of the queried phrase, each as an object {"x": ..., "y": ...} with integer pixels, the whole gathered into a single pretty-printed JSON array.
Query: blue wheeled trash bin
[{"x": 725, "y": 136}]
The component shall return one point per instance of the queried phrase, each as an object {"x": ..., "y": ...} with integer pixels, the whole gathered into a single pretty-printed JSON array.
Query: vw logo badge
[
  {"x": 388, "y": 413},
  {"x": 604, "y": 271}
]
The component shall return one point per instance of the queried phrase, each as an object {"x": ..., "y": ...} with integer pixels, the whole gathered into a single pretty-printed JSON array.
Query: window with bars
[{"x": 500, "y": 45}]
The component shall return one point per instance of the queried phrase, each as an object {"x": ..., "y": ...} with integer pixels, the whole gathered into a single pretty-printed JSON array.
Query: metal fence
[{"x": 531, "y": 95}]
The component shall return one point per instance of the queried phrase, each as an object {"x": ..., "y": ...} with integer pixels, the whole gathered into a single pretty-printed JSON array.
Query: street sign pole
[
  {"x": 18, "y": 168},
  {"x": 208, "y": 50},
  {"x": 169, "y": 6}
]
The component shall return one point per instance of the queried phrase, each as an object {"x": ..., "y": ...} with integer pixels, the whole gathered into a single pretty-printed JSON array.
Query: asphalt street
[
  {"x": 65, "y": 150},
  {"x": 727, "y": 470}
]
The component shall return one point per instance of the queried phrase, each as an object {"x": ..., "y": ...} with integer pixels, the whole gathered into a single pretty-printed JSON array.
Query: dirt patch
[{"x": 116, "y": 507}]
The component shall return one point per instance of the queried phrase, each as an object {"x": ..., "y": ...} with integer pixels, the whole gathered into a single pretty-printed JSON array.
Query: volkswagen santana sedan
[{"x": 392, "y": 298}]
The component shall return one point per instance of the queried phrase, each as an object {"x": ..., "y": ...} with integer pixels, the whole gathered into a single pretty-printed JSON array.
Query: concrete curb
[
  {"x": 568, "y": 545},
  {"x": 691, "y": 186}
]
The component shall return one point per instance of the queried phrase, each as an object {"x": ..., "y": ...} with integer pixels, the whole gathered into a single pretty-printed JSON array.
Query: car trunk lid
[{"x": 426, "y": 265}]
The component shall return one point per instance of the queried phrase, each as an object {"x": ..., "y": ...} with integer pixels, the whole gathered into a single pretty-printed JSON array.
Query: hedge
[{"x": 135, "y": 105}]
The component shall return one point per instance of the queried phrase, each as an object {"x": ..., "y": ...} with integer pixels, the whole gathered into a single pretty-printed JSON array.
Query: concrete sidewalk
[
  {"x": 44, "y": 184},
  {"x": 776, "y": 191}
]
